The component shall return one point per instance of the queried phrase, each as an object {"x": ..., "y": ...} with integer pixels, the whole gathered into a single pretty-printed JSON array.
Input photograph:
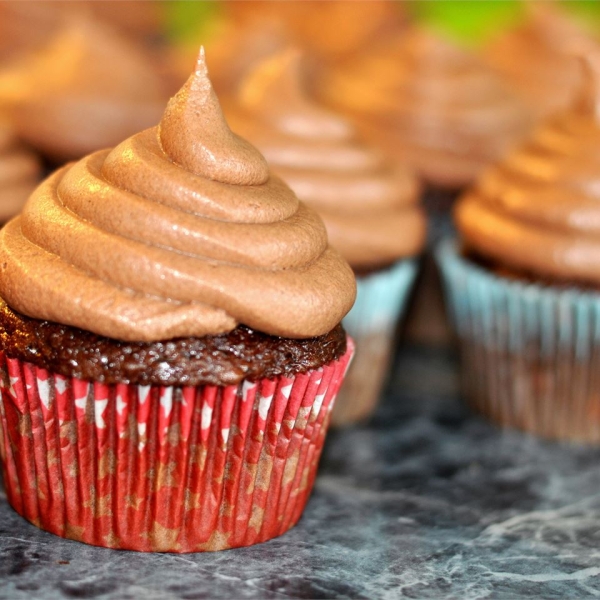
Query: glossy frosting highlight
[
  {"x": 538, "y": 211},
  {"x": 432, "y": 104},
  {"x": 19, "y": 173},
  {"x": 178, "y": 231},
  {"x": 369, "y": 207}
]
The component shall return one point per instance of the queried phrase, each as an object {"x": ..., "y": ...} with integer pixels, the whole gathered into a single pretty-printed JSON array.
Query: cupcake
[
  {"x": 431, "y": 104},
  {"x": 141, "y": 19},
  {"x": 19, "y": 173},
  {"x": 369, "y": 206},
  {"x": 523, "y": 280},
  {"x": 89, "y": 88},
  {"x": 536, "y": 58},
  {"x": 439, "y": 109},
  {"x": 170, "y": 341}
]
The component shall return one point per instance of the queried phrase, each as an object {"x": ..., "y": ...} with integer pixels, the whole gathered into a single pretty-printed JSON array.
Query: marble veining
[{"x": 426, "y": 501}]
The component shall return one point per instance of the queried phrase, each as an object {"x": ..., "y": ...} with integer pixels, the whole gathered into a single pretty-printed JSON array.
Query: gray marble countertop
[{"x": 427, "y": 501}]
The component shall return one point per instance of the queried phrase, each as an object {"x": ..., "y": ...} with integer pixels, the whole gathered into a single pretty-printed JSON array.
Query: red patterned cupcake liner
[{"x": 166, "y": 469}]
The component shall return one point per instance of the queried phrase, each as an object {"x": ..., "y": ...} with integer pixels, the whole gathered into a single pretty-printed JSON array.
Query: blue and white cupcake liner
[
  {"x": 530, "y": 352},
  {"x": 380, "y": 302}
]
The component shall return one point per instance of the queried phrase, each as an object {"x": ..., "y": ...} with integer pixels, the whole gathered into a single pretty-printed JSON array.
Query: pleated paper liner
[
  {"x": 530, "y": 354},
  {"x": 168, "y": 469},
  {"x": 380, "y": 302}
]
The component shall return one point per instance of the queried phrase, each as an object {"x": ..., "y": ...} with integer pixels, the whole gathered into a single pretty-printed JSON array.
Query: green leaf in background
[
  {"x": 188, "y": 20},
  {"x": 472, "y": 22},
  {"x": 469, "y": 22},
  {"x": 585, "y": 11}
]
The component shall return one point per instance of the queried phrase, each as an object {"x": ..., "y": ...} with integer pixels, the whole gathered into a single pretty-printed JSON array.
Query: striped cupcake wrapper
[
  {"x": 167, "y": 469},
  {"x": 380, "y": 302},
  {"x": 530, "y": 353}
]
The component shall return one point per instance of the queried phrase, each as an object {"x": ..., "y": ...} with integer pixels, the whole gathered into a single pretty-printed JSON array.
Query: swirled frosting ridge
[
  {"x": 370, "y": 208},
  {"x": 538, "y": 211},
  {"x": 433, "y": 104},
  {"x": 178, "y": 231}
]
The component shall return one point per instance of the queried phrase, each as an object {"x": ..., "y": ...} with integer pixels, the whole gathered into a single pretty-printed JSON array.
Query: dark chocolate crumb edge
[
  {"x": 524, "y": 276},
  {"x": 227, "y": 359}
]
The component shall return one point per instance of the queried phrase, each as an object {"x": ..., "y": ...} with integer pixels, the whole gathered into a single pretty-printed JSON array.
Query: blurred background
[
  {"x": 76, "y": 76},
  {"x": 444, "y": 87}
]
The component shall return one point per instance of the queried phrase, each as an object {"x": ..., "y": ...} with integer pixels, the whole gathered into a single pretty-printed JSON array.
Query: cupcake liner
[
  {"x": 530, "y": 353},
  {"x": 380, "y": 301},
  {"x": 168, "y": 469}
]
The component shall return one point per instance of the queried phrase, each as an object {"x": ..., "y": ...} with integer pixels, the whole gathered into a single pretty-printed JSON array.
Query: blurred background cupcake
[
  {"x": 524, "y": 276},
  {"x": 20, "y": 172},
  {"x": 433, "y": 105},
  {"x": 84, "y": 89},
  {"x": 370, "y": 206},
  {"x": 29, "y": 25},
  {"x": 440, "y": 109}
]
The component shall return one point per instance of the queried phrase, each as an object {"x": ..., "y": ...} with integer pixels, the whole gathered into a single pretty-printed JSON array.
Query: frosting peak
[
  {"x": 194, "y": 134},
  {"x": 144, "y": 242},
  {"x": 275, "y": 89}
]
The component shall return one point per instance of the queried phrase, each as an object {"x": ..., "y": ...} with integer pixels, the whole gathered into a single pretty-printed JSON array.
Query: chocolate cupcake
[
  {"x": 369, "y": 205},
  {"x": 87, "y": 89},
  {"x": 20, "y": 172},
  {"x": 170, "y": 341},
  {"x": 523, "y": 280}
]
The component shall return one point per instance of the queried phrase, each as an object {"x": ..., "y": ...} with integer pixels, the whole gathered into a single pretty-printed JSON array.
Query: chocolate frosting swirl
[
  {"x": 432, "y": 104},
  {"x": 87, "y": 89},
  {"x": 178, "y": 231},
  {"x": 19, "y": 173},
  {"x": 370, "y": 208},
  {"x": 538, "y": 211}
]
